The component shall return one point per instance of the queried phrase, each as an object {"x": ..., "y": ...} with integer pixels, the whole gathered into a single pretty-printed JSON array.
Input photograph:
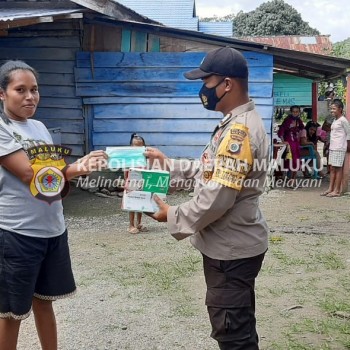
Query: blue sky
[{"x": 329, "y": 17}]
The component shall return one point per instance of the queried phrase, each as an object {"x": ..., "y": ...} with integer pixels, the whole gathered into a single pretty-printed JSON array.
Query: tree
[
  {"x": 342, "y": 49},
  {"x": 215, "y": 18},
  {"x": 272, "y": 18}
]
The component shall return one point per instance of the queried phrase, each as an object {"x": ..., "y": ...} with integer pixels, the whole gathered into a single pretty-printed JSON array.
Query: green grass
[{"x": 165, "y": 276}]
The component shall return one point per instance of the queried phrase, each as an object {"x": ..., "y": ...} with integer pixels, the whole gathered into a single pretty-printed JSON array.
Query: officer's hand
[
  {"x": 156, "y": 158},
  {"x": 162, "y": 214}
]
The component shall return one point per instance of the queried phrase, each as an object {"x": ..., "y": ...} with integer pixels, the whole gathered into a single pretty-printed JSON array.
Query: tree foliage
[
  {"x": 342, "y": 49},
  {"x": 274, "y": 17},
  {"x": 215, "y": 18}
]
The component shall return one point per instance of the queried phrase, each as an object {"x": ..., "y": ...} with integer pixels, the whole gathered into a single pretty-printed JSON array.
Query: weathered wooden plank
[
  {"x": 152, "y": 138},
  {"x": 160, "y": 59},
  {"x": 156, "y": 100},
  {"x": 52, "y": 113},
  {"x": 61, "y": 102},
  {"x": 63, "y": 79},
  {"x": 122, "y": 74},
  {"x": 56, "y": 91},
  {"x": 72, "y": 126},
  {"x": 159, "y": 88},
  {"x": 170, "y": 111},
  {"x": 153, "y": 43},
  {"x": 72, "y": 139},
  {"x": 160, "y": 125},
  {"x": 38, "y": 53},
  {"x": 41, "y": 42},
  {"x": 174, "y": 152},
  {"x": 150, "y": 111},
  {"x": 52, "y": 66},
  {"x": 126, "y": 42},
  {"x": 138, "y": 41}
]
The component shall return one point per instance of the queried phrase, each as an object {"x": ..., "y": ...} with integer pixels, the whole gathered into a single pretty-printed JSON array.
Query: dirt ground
[{"x": 146, "y": 291}]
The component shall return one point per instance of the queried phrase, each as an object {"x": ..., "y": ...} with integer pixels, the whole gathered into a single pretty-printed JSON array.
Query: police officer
[{"x": 223, "y": 217}]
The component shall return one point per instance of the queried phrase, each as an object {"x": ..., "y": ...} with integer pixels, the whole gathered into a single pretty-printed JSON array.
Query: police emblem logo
[
  {"x": 234, "y": 147},
  {"x": 48, "y": 183},
  {"x": 207, "y": 175}
]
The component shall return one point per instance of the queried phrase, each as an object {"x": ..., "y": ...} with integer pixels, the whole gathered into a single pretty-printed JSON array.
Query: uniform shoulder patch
[{"x": 234, "y": 158}]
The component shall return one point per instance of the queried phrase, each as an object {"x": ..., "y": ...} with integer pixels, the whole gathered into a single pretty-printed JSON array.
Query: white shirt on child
[{"x": 340, "y": 134}]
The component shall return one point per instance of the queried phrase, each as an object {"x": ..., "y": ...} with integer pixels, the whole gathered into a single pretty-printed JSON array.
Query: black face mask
[{"x": 208, "y": 96}]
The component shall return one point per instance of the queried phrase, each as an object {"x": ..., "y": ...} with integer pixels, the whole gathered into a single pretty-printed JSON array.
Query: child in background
[
  {"x": 136, "y": 141},
  {"x": 339, "y": 145}
]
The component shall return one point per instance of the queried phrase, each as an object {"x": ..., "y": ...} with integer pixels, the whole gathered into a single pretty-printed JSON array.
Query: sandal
[
  {"x": 333, "y": 195},
  {"x": 133, "y": 230},
  {"x": 142, "y": 228},
  {"x": 325, "y": 193}
]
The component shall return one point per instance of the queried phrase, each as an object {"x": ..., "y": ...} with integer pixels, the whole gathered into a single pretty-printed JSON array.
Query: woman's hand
[{"x": 94, "y": 161}]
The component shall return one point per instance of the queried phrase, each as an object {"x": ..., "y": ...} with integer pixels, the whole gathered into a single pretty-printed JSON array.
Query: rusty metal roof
[{"x": 319, "y": 44}]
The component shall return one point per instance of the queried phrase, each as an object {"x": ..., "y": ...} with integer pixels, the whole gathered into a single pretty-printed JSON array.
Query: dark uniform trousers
[{"x": 230, "y": 301}]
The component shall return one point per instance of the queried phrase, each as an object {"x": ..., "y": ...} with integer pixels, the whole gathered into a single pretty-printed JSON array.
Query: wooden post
[
  {"x": 346, "y": 167},
  {"x": 314, "y": 101}
]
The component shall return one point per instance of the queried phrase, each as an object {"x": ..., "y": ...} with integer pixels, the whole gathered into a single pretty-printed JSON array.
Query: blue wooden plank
[
  {"x": 152, "y": 111},
  {"x": 137, "y": 111},
  {"x": 56, "y": 91},
  {"x": 56, "y": 79},
  {"x": 160, "y": 59},
  {"x": 42, "y": 41},
  {"x": 72, "y": 139},
  {"x": 174, "y": 152},
  {"x": 49, "y": 113},
  {"x": 61, "y": 102},
  {"x": 156, "y": 100},
  {"x": 159, "y": 89},
  {"x": 52, "y": 66},
  {"x": 152, "y": 138},
  {"x": 38, "y": 53},
  {"x": 74, "y": 126},
  {"x": 161, "y": 125},
  {"x": 122, "y": 74}
]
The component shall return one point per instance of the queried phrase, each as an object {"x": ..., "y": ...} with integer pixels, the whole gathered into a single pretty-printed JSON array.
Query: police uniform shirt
[{"x": 223, "y": 217}]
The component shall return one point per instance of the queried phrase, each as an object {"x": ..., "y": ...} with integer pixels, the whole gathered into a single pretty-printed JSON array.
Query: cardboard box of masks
[{"x": 141, "y": 185}]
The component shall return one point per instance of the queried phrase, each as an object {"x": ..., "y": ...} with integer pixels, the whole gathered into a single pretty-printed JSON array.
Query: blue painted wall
[
  {"x": 147, "y": 93},
  {"x": 290, "y": 90}
]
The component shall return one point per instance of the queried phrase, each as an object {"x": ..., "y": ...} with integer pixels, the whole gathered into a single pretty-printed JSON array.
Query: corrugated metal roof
[
  {"x": 216, "y": 28},
  {"x": 172, "y": 13},
  {"x": 319, "y": 44},
  {"x": 20, "y": 13}
]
